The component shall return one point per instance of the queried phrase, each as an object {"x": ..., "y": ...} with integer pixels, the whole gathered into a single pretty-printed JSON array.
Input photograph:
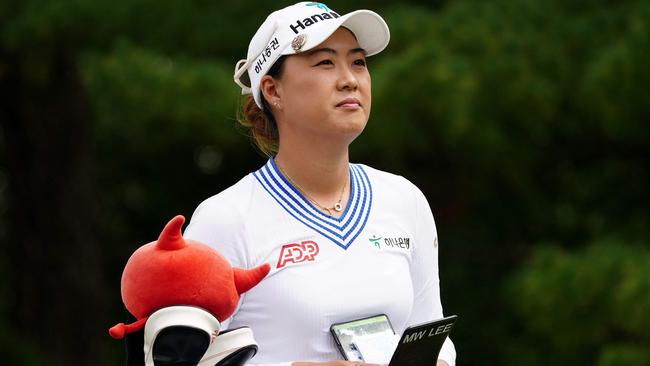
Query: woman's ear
[{"x": 271, "y": 90}]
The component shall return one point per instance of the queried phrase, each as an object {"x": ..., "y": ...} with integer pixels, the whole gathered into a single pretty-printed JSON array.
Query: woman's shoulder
[
  {"x": 228, "y": 206},
  {"x": 220, "y": 221},
  {"x": 380, "y": 178},
  {"x": 394, "y": 188},
  {"x": 234, "y": 196}
]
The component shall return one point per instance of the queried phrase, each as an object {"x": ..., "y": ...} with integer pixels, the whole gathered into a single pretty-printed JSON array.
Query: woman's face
[{"x": 325, "y": 92}]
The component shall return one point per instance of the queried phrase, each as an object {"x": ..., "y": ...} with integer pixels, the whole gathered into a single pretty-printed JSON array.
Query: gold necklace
[{"x": 337, "y": 206}]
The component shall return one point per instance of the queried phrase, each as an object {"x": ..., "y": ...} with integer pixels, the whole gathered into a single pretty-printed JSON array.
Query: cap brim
[{"x": 368, "y": 27}]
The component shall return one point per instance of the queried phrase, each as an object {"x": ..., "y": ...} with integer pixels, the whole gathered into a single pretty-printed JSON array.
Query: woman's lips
[{"x": 349, "y": 103}]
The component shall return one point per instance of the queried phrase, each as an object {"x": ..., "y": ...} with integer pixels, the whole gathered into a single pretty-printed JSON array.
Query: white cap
[{"x": 301, "y": 27}]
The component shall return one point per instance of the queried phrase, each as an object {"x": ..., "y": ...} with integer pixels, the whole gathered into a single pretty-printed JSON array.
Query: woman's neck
[{"x": 320, "y": 172}]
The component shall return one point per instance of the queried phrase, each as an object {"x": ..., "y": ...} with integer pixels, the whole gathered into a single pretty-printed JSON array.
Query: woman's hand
[{"x": 441, "y": 363}]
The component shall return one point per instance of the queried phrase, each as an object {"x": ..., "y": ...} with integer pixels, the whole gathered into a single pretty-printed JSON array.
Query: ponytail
[{"x": 261, "y": 123}]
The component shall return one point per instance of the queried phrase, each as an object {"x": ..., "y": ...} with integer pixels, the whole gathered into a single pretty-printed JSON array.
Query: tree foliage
[{"x": 584, "y": 307}]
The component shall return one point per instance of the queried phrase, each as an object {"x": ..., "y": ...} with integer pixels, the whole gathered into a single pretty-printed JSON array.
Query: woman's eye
[
  {"x": 325, "y": 62},
  {"x": 360, "y": 62}
]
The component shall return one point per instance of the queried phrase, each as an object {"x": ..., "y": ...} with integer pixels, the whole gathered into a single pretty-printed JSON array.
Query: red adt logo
[{"x": 296, "y": 253}]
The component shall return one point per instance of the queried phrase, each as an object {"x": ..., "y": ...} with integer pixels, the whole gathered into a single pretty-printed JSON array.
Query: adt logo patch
[{"x": 296, "y": 253}]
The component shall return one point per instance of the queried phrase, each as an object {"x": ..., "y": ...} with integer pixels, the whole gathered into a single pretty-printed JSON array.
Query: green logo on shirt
[
  {"x": 392, "y": 242},
  {"x": 375, "y": 241}
]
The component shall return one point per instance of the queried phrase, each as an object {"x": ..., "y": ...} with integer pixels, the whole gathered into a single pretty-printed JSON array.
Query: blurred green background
[{"x": 523, "y": 121}]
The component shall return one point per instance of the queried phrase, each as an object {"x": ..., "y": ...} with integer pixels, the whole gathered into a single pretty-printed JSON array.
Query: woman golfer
[{"x": 345, "y": 241}]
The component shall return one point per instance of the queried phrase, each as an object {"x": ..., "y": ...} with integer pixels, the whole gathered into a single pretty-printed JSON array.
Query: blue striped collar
[{"x": 342, "y": 230}]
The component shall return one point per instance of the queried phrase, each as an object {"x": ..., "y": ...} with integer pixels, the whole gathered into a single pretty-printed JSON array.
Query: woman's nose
[{"x": 347, "y": 79}]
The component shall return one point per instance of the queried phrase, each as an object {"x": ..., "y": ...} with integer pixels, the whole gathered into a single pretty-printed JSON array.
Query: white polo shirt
[{"x": 379, "y": 257}]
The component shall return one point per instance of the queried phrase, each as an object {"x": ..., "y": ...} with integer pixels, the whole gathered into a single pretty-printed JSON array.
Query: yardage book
[
  {"x": 372, "y": 340},
  {"x": 420, "y": 344}
]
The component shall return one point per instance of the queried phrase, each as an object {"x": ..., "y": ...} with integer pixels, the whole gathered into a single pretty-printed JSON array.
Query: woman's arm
[{"x": 424, "y": 274}]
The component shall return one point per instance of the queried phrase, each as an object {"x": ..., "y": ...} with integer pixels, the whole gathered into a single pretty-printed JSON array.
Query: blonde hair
[{"x": 260, "y": 123}]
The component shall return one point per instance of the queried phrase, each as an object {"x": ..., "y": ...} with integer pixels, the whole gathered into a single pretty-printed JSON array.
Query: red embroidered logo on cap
[{"x": 296, "y": 253}]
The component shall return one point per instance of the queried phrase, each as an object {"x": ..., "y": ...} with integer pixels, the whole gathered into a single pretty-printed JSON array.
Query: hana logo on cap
[{"x": 301, "y": 27}]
